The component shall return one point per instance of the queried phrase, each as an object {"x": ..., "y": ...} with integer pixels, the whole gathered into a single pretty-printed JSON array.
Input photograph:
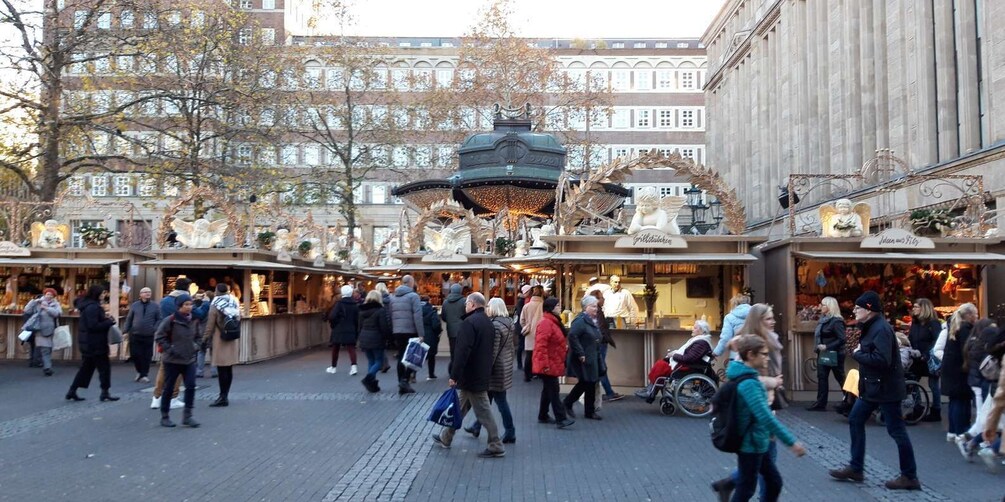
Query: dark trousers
[
  {"x": 519, "y": 350},
  {"x": 171, "y": 372},
  {"x": 550, "y": 397},
  {"x": 350, "y": 348},
  {"x": 959, "y": 415},
  {"x": 87, "y": 366},
  {"x": 751, "y": 466},
  {"x": 141, "y": 350},
  {"x": 401, "y": 341},
  {"x": 528, "y": 365},
  {"x": 895, "y": 427},
  {"x": 431, "y": 357},
  {"x": 226, "y": 374},
  {"x": 581, "y": 387},
  {"x": 823, "y": 380},
  {"x": 451, "y": 340}
]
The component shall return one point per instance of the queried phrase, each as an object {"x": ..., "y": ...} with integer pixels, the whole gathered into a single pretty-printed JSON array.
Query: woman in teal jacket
[{"x": 755, "y": 417}]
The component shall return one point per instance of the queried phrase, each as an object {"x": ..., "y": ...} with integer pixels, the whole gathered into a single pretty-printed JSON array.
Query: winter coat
[
  {"x": 517, "y": 309},
  {"x": 605, "y": 328},
  {"x": 954, "y": 378},
  {"x": 923, "y": 336},
  {"x": 225, "y": 352},
  {"x": 831, "y": 333},
  {"x": 997, "y": 406},
  {"x": 730, "y": 325},
  {"x": 754, "y": 416},
  {"x": 48, "y": 315},
  {"x": 530, "y": 318},
  {"x": 451, "y": 312},
  {"x": 92, "y": 328},
  {"x": 179, "y": 339},
  {"x": 169, "y": 303},
  {"x": 550, "y": 348},
  {"x": 431, "y": 325},
  {"x": 471, "y": 362},
  {"x": 881, "y": 375},
  {"x": 979, "y": 347},
  {"x": 406, "y": 312},
  {"x": 502, "y": 355},
  {"x": 374, "y": 326},
  {"x": 344, "y": 321},
  {"x": 695, "y": 352},
  {"x": 142, "y": 320},
  {"x": 584, "y": 341}
]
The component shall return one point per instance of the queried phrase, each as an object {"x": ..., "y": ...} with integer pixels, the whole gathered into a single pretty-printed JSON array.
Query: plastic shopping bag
[
  {"x": 447, "y": 410},
  {"x": 61, "y": 338},
  {"x": 415, "y": 354}
]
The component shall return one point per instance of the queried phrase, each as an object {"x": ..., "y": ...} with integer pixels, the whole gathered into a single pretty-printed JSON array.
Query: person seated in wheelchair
[
  {"x": 907, "y": 354},
  {"x": 696, "y": 353}
]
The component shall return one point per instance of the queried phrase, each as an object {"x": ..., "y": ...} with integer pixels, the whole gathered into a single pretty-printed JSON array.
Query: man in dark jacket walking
[
  {"x": 881, "y": 385},
  {"x": 141, "y": 324},
  {"x": 169, "y": 305},
  {"x": 451, "y": 312},
  {"x": 179, "y": 338},
  {"x": 406, "y": 322},
  {"x": 433, "y": 327},
  {"x": 470, "y": 372}
]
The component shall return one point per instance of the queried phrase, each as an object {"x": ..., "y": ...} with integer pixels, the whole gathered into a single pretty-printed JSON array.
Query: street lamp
[{"x": 701, "y": 212}]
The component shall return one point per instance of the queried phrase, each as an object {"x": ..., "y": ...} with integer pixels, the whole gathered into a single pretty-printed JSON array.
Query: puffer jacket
[
  {"x": 406, "y": 312},
  {"x": 881, "y": 377},
  {"x": 451, "y": 312},
  {"x": 92, "y": 329},
  {"x": 550, "y": 347},
  {"x": 142, "y": 320},
  {"x": 502, "y": 352},
  {"x": 179, "y": 339},
  {"x": 754, "y": 415},
  {"x": 432, "y": 325},
  {"x": 730, "y": 325},
  {"x": 344, "y": 322},
  {"x": 584, "y": 341},
  {"x": 374, "y": 328},
  {"x": 979, "y": 347}
]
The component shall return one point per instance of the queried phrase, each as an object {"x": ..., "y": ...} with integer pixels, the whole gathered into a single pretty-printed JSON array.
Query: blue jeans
[
  {"x": 507, "y": 417},
  {"x": 895, "y": 427},
  {"x": 171, "y": 372},
  {"x": 959, "y": 415},
  {"x": 375, "y": 361},
  {"x": 754, "y": 467},
  {"x": 606, "y": 382},
  {"x": 200, "y": 364},
  {"x": 773, "y": 456}
]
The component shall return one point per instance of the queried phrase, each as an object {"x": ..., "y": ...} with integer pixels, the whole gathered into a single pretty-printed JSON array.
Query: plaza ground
[{"x": 293, "y": 432}]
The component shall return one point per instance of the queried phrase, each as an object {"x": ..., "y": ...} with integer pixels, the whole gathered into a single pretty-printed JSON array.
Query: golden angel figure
[
  {"x": 844, "y": 219},
  {"x": 49, "y": 235},
  {"x": 653, "y": 212}
]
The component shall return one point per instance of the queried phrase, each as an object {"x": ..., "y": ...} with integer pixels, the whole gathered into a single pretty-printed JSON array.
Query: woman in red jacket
[{"x": 550, "y": 347}]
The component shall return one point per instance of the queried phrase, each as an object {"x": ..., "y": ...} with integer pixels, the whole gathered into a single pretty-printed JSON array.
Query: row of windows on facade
[
  {"x": 314, "y": 76},
  {"x": 126, "y": 18},
  {"x": 367, "y": 117},
  {"x": 545, "y": 45}
]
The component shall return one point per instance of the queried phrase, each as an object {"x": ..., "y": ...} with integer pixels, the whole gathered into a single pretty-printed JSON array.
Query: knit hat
[
  {"x": 181, "y": 299},
  {"x": 346, "y": 290},
  {"x": 49, "y": 290},
  {"x": 550, "y": 303},
  {"x": 870, "y": 301},
  {"x": 456, "y": 288}
]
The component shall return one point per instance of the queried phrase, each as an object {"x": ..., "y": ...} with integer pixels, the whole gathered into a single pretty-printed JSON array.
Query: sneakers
[
  {"x": 487, "y": 453},
  {"x": 903, "y": 483},
  {"x": 156, "y": 403},
  {"x": 352, "y": 370},
  {"x": 138, "y": 377},
  {"x": 331, "y": 369},
  {"x": 565, "y": 423},
  {"x": 847, "y": 474},
  {"x": 950, "y": 437},
  {"x": 987, "y": 455},
  {"x": 144, "y": 380},
  {"x": 612, "y": 397},
  {"x": 177, "y": 403},
  {"x": 439, "y": 442},
  {"x": 724, "y": 489},
  {"x": 963, "y": 444}
]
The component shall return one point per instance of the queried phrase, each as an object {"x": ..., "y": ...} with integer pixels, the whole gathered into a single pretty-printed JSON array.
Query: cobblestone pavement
[{"x": 294, "y": 432}]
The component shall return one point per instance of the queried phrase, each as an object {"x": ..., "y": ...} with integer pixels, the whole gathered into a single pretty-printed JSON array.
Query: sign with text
[
  {"x": 651, "y": 238},
  {"x": 8, "y": 248},
  {"x": 444, "y": 257},
  {"x": 897, "y": 238}
]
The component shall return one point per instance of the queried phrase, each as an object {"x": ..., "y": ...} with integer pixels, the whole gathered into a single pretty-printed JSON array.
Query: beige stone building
[{"x": 813, "y": 86}]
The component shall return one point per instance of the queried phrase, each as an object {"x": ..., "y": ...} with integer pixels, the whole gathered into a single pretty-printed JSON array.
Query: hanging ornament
[{"x": 821, "y": 280}]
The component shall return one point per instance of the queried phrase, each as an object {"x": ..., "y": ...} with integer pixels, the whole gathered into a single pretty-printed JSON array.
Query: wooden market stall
[
  {"x": 283, "y": 303},
  {"x": 25, "y": 272},
  {"x": 694, "y": 278},
  {"x": 899, "y": 266}
]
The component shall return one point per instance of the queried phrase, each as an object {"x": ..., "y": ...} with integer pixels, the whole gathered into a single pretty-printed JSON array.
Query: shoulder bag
[{"x": 114, "y": 335}]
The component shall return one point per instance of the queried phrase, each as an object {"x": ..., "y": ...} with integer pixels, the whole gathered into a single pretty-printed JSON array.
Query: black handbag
[{"x": 780, "y": 402}]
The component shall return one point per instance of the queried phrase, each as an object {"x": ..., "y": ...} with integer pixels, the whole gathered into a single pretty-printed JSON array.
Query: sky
[{"x": 538, "y": 18}]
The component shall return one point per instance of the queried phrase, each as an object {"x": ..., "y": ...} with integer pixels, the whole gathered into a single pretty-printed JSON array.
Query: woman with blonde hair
[
  {"x": 954, "y": 376},
  {"x": 503, "y": 347},
  {"x": 923, "y": 334},
  {"x": 828, "y": 337},
  {"x": 739, "y": 306}
]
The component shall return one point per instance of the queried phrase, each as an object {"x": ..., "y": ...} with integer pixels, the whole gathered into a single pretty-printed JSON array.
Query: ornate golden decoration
[{"x": 204, "y": 193}]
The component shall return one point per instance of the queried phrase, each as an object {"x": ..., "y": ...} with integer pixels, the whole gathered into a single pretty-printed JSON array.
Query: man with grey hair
[
  {"x": 470, "y": 372},
  {"x": 406, "y": 322},
  {"x": 141, "y": 324}
]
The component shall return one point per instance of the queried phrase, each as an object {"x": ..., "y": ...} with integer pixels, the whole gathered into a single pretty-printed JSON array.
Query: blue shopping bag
[
  {"x": 415, "y": 354},
  {"x": 447, "y": 410}
]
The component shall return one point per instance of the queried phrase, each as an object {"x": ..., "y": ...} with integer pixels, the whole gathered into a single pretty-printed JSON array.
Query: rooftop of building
[{"x": 544, "y": 43}]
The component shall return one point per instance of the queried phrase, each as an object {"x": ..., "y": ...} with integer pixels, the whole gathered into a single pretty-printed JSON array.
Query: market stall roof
[
  {"x": 878, "y": 257},
  {"x": 445, "y": 267},
  {"x": 708, "y": 258},
  {"x": 263, "y": 265},
  {"x": 59, "y": 262}
]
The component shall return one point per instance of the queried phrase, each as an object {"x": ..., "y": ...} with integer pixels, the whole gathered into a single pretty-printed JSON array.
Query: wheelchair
[
  {"x": 916, "y": 404},
  {"x": 689, "y": 388}
]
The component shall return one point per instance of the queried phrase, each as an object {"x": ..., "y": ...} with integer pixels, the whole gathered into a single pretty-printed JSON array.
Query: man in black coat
[
  {"x": 470, "y": 372},
  {"x": 881, "y": 385}
]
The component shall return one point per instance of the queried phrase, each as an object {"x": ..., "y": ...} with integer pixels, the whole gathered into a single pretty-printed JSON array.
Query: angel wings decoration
[
  {"x": 653, "y": 212},
  {"x": 843, "y": 219},
  {"x": 545, "y": 230},
  {"x": 200, "y": 234},
  {"x": 49, "y": 235},
  {"x": 447, "y": 241}
]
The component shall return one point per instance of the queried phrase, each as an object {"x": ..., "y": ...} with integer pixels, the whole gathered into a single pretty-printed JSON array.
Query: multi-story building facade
[
  {"x": 656, "y": 103},
  {"x": 813, "y": 87}
]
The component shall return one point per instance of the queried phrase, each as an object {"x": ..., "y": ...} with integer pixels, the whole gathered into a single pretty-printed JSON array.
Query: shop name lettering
[
  {"x": 651, "y": 238},
  {"x": 902, "y": 240}
]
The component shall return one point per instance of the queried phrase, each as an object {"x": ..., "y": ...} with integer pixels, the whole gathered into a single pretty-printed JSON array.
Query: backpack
[
  {"x": 725, "y": 427},
  {"x": 229, "y": 324}
]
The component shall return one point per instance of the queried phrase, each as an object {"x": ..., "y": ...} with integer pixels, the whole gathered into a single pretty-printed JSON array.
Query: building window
[
  {"x": 126, "y": 19},
  {"x": 575, "y": 156},
  {"x": 76, "y": 186},
  {"x": 399, "y": 79},
  {"x": 423, "y": 79},
  {"x": 123, "y": 186},
  {"x": 618, "y": 45},
  {"x": 621, "y": 118},
  {"x": 288, "y": 155},
  {"x": 423, "y": 156},
  {"x": 105, "y": 20},
  {"x": 598, "y": 80},
  {"x": 621, "y": 80},
  {"x": 664, "y": 79},
  {"x": 577, "y": 119},
  {"x": 661, "y": 45},
  {"x": 198, "y": 19},
  {"x": 244, "y": 36},
  {"x": 313, "y": 76},
  {"x": 644, "y": 80},
  {"x": 378, "y": 194},
  {"x": 444, "y": 77},
  {"x": 174, "y": 18},
  {"x": 687, "y": 153},
  {"x": 642, "y": 118},
  {"x": 399, "y": 156},
  {"x": 245, "y": 4},
  {"x": 79, "y": 18},
  {"x": 444, "y": 156},
  {"x": 639, "y": 45},
  {"x": 687, "y": 80},
  {"x": 150, "y": 21},
  {"x": 620, "y": 152},
  {"x": 665, "y": 118},
  {"x": 268, "y": 36},
  {"x": 99, "y": 186},
  {"x": 244, "y": 155},
  {"x": 147, "y": 187},
  {"x": 598, "y": 119},
  {"x": 682, "y": 45},
  {"x": 312, "y": 155},
  {"x": 598, "y": 156},
  {"x": 687, "y": 118},
  {"x": 76, "y": 239},
  {"x": 269, "y": 4},
  {"x": 124, "y": 63}
]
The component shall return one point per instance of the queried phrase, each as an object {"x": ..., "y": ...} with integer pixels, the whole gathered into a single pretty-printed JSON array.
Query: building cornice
[{"x": 739, "y": 44}]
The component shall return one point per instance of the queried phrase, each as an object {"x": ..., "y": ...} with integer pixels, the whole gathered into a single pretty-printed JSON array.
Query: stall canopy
[
  {"x": 249, "y": 264},
  {"x": 568, "y": 257},
  {"x": 923, "y": 257},
  {"x": 58, "y": 262}
]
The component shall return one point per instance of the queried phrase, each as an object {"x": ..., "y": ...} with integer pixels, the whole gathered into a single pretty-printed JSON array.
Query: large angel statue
[
  {"x": 546, "y": 230},
  {"x": 284, "y": 241},
  {"x": 200, "y": 234},
  {"x": 842, "y": 219},
  {"x": 653, "y": 212},
  {"x": 49, "y": 235},
  {"x": 448, "y": 240}
]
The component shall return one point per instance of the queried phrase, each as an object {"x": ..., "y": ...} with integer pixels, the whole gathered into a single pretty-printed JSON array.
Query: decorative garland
[{"x": 205, "y": 193}]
